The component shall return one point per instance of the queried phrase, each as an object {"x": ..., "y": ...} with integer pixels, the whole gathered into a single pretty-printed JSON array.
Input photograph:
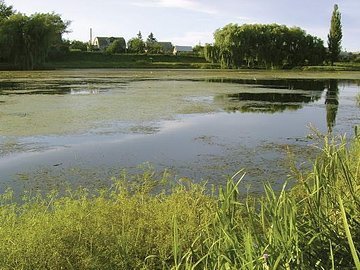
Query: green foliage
[
  {"x": 117, "y": 46},
  {"x": 118, "y": 229},
  {"x": 335, "y": 35},
  {"x": 5, "y": 11},
  {"x": 212, "y": 53},
  {"x": 199, "y": 50},
  {"x": 26, "y": 41},
  {"x": 151, "y": 38},
  {"x": 77, "y": 59},
  {"x": 152, "y": 46},
  {"x": 139, "y": 35},
  {"x": 139, "y": 225},
  {"x": 269, "y": 46},
  {"x": 78, "y": 45},
  {"x": 136, "y": 45}
]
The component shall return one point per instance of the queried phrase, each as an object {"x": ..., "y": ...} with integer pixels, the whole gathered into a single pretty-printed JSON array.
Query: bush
[
  {"x": 76, "y": 45},
  {"x": 117, "y": 46}
]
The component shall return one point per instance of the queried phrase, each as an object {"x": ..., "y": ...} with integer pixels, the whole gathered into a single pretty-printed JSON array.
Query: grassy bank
[
  {"x": 314, "y": 225},
  {"x": 77, "y": 59},
  {"x": 100, "y": 60},
  {"x": 339, "y": 66},
  {"x": 89, "y": 60}
]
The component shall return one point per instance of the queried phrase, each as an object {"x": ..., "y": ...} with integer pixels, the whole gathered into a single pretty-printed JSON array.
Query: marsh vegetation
[{"x": 142, "y": 223}]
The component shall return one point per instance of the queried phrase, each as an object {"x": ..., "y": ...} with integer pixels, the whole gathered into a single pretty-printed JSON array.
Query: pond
[{"x": 84, "y": 127}]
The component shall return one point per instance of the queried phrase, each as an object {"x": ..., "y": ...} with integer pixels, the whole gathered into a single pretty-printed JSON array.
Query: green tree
[
  {"x": 151, "y": 38},
  {"x": 5, "y": 11},
  {"x": 25, "y": 41},
  {"x": 117, "y": 46},
  {"x": 78, "y": 45},
  {"x": 136, "y": 45},
  {"x": 211, "y": 53},
  {"x": 264, "y": 45},
  {"x": 152, "y": 46},
  {"x": 139, "y": 35},
  {"x": 199, "y": 50},
  {"x": 335, "y": 35}
]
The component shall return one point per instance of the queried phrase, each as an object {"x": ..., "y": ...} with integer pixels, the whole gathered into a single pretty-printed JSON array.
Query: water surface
[{"x": 85, "y": 128}]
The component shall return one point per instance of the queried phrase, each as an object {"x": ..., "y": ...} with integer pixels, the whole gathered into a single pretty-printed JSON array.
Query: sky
[{"x": 190, "y": 22}]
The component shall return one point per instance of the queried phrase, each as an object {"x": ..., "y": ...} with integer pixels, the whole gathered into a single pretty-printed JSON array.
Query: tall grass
[{"x": 313, "y": 225}]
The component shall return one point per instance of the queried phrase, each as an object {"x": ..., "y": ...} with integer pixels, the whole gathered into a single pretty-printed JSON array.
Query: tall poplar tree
[{"x": 335, "y": 35}]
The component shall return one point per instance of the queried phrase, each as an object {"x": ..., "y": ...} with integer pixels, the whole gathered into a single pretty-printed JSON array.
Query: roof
[
  {"x": 183, "y": 48},
  {"x": 106, "y": 41},
  {"x": 165, "y": 45}
]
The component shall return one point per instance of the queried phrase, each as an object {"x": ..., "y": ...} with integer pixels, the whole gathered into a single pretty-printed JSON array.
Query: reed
[{"x": 138, "y": 225}]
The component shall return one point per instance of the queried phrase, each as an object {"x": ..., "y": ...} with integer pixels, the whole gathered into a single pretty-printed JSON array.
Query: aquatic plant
[{"x": 136, "y": 224}]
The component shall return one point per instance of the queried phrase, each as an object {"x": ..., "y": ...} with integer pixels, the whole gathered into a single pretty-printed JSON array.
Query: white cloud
[{"x": 180, "y": 4}]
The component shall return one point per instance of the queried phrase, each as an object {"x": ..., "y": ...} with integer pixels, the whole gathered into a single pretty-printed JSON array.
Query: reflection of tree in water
[
  {"x": 290, "y": 84},
  {"x": 271, "y": 102},
  {"x": 332, "y": 104},
  {"x": 260, "y": 102}
]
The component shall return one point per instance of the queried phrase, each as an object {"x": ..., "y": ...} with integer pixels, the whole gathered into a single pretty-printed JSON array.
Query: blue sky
[{"x": 188, "y": 22}]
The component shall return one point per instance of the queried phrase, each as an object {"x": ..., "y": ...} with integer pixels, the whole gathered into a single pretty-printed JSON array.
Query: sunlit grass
[{"x": 143, "y": 223}]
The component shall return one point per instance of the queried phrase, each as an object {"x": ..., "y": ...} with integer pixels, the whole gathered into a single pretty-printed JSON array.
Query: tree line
[
  {"x": 273, "y": 45},
  {"x": 135, "y": 45},
  {"x": 27, "y": 41},
  {"x": 264, "y": 45}
]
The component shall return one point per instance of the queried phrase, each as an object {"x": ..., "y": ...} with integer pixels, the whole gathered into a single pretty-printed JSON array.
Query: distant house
[
  {"x": 166, "y": 47},
  {"x": 182, "y": 49},
  {"x": 102, "y": 43}
]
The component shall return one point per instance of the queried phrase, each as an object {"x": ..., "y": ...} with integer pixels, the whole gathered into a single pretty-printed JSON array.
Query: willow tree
[
  {"x": 335, "y": 35},
  {"x": 5, "y": 11},
  {"x": 25, "y": 41},
  {"x": 264, "y": 45}
]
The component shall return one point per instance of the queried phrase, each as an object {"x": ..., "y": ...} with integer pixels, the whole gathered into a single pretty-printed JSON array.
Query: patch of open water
[{"x": 250, "y": 124}]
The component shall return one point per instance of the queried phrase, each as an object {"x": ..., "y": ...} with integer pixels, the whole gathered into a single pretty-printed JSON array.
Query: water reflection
[
  {"x": 256, "y": 102},
  {"x": 122, "y": 125},
  {"x": 290, "y": 84},
  {"x": 10, "y": 85},
  {"x": 34, "y": 88},
  {"x": 58, "y": 87},
  {"x": 332, "y": 104},
  {"x": 301, "y": 92}
]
